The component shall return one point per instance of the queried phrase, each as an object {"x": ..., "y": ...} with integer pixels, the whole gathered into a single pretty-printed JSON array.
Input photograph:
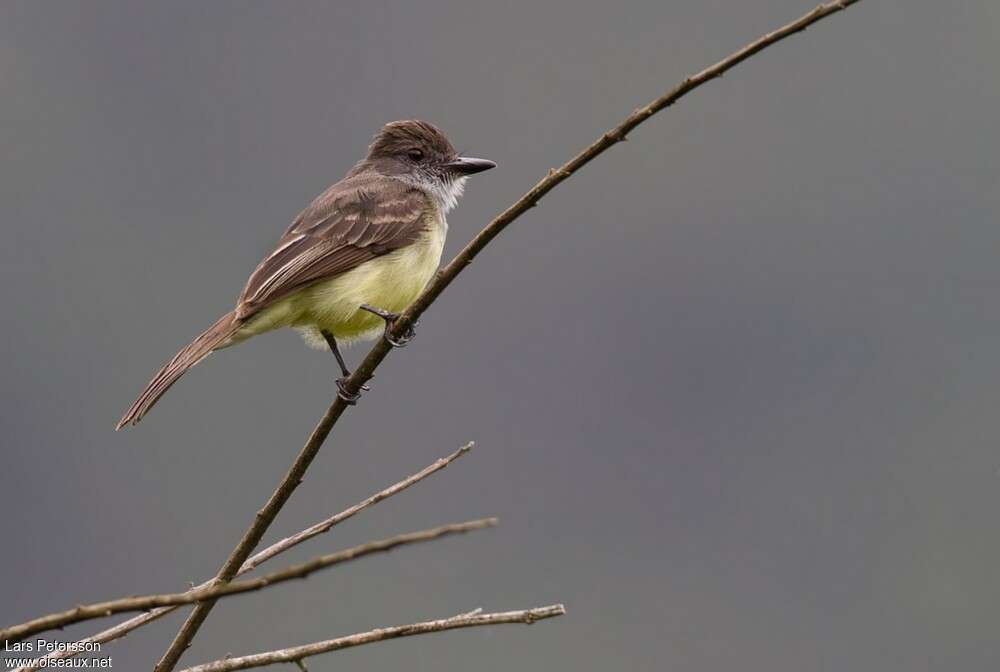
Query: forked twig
[
  {"x": 86, "y": 612},
  {"x": 125, "y": 627}
]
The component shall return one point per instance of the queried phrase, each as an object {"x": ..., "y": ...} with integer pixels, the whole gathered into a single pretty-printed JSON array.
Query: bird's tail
[{"x": 213, "y": 338}]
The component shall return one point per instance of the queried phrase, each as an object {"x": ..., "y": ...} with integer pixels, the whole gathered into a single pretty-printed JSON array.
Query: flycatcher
[{"x": 350, "y": 262}]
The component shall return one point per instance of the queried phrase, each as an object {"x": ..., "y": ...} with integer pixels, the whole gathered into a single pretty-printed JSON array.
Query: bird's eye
[{"x": 415, "y": 154}]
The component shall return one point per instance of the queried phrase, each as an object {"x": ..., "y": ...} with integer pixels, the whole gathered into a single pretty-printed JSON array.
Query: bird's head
[{"x": 419, "y": 153}]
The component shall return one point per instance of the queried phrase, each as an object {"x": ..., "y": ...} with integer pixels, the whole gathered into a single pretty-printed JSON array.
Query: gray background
[{"x": 734, "y": 387}]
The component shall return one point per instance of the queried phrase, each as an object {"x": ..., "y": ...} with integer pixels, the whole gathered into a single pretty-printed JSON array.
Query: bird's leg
[
  {"x": 342, "y": 391},
  {"x": 390, "y": 319}
]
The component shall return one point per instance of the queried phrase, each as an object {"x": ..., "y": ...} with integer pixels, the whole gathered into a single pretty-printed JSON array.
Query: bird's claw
[
  {"x": 390, "y": 320},
  {"x": 403, "y": 340},
  {"x": 349, "y": 398}
]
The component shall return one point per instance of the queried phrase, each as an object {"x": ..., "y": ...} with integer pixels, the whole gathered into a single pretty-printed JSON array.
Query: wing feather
[{"x": 354, "y": 221}]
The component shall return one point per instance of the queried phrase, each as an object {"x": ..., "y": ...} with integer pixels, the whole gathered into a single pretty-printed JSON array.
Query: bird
[{"x": 351, "y": 261}]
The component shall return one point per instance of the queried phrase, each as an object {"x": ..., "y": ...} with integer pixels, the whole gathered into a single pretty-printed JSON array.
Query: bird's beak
[{"x": 466, "y": 165}]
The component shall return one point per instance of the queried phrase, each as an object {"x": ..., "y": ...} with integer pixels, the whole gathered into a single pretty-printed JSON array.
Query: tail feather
[{"x": 213, "y": 337}]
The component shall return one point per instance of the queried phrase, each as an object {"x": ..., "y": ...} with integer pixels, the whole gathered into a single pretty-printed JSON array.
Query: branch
[
  {"x": 295, "y": 654},
  {"x": 364, "y": 372},
  {"x": 125, "y": 627},
  {"x": 325, "y": 525},
  {"x": 86, "y": 612}
]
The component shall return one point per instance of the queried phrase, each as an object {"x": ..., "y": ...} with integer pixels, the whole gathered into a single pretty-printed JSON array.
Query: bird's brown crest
[{"x": 398, "y": 137}]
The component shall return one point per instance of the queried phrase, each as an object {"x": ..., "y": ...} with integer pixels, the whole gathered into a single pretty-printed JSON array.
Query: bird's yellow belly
[{"x": 390, "y": 282}]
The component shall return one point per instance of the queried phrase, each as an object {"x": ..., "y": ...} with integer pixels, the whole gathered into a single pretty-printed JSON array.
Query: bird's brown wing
[{"x": 354, "y": 221}]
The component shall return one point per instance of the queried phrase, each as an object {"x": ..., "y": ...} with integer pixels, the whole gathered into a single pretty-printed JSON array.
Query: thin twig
[
  {"x": 86, "y": 612},
  {"x": 125, "y": 627},
  {"x": 325, "y": 525},
  {"x": 364, "y": 372},
  {"x": 295, "y": 654}
]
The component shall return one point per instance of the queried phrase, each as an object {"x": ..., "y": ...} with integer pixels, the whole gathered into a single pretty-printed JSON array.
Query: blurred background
[{"x": 734, "y": 387}]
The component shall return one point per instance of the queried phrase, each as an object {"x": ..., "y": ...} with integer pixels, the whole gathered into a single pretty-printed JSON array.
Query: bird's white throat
[{"x": 444, "y": 193}]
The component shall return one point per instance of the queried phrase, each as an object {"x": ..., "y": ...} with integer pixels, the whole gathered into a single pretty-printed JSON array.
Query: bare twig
[
  {"x": 445, "y": 276},
  {"x": 325, "y": 525},
  {"x": 295, "y": 654},
  {"x": 17, "y": 633},
  {"x": 125, "y": 627}
]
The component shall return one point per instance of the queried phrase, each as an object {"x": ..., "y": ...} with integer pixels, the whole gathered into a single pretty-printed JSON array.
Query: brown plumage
[
  {"x": 346, "y": 226},
  {"x": 191, "y": 354},
  {"x": 392, "y": 201}
]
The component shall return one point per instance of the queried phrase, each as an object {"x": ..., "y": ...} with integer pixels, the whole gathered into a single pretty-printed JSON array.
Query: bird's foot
[
  {"x": 390, "y": 320},
  {"x": 350, "y": 398}
]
